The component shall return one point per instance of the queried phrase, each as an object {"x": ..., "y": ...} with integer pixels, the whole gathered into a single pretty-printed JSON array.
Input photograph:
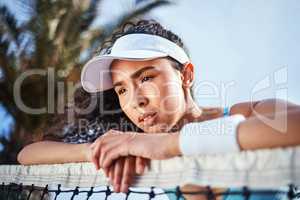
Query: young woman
[
  {"x": 152, "y": 81},
  {"x": 151, "y": 73}
]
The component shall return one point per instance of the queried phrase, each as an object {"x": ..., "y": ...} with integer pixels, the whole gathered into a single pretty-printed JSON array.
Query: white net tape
[{"x": 268, "y": 168}]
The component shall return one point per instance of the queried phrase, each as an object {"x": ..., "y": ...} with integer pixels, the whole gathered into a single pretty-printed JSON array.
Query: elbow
[
  {"x": 20, "y": 157},
  {"x": 23, "y": 157}
]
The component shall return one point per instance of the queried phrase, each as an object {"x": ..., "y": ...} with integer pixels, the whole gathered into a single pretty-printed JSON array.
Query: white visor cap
[{"x": 96, "y": 76}]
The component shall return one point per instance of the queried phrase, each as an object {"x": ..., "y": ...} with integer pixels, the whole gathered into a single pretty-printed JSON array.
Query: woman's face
[{"x": 150, "y": 93}]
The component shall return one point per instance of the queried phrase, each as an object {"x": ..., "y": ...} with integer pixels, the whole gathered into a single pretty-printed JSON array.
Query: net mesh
[
  {"x": 270, "y": 172},
  {"x": 15, "y": 191}
]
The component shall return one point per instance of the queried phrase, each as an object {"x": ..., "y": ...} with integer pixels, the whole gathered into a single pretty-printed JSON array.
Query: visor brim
[{"x": 95, "y": 75}]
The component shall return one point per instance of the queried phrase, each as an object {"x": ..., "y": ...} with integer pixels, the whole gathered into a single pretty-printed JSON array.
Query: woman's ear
[{"x": 187, "y": 74}]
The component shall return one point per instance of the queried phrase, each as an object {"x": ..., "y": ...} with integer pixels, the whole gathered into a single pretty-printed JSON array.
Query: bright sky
[{"x": 246, "y": 42}]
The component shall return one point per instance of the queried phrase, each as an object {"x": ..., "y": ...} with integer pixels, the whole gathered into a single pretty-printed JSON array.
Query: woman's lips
[{"x": 148, "y": 118}]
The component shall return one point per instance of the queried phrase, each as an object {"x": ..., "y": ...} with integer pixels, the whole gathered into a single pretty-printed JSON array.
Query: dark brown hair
[
  {"x": 86, "y": 127},
  {"x": 151, "y": 27}
]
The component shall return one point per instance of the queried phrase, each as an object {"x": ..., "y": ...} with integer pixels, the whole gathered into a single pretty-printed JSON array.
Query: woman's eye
[
  {"x": 146, "y": 78},
  {"x": 121, "y": 91}
]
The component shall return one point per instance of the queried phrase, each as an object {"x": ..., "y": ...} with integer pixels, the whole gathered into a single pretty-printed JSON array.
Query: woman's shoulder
[
  {"x": 209, "y": 113},
  {"x": 243, "y": 108}
]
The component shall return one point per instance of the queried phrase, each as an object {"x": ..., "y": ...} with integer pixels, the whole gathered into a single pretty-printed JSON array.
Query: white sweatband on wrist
[{"x": 210, "y": 137}]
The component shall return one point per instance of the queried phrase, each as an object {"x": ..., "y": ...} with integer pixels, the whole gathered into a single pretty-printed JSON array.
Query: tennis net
[{"x": 261, "y": 172}]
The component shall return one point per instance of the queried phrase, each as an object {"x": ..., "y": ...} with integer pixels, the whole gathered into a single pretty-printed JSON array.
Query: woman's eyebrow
[
  {"x": 119, "y": 83},
  {"x": 140, "y": 71},
  {"x": 135, "y": 75}
]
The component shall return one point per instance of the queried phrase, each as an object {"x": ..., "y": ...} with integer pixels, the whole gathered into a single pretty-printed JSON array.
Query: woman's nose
[{"x": 141, "y": 101}]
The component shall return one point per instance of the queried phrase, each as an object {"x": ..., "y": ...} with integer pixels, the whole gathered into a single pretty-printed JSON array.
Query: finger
[
  {"x": 118, "y": 142},
  {"x": 105, "y": 149},
  {"x": 147, "y": 162},
  {"x": 96, "y": 152},
  {"x": 118, "y": 174},
  {"x": 113, "y": 154},
  {"x": 111, "y": 134},
  {"x": 95, "y": 156},
  {"x": 111, "y": 173},
  {"x": 140, "y": 165},
  {"x": 106, "y": 171},
  {"x": 128, "y": 173},
  {"x": 97, "y": 147},
  {"x": 95, "y": 160},
  {"x": 93, "y": 144}
]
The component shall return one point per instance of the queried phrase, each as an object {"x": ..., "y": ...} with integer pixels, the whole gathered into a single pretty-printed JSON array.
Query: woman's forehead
[{"x": 126, "y": 68}]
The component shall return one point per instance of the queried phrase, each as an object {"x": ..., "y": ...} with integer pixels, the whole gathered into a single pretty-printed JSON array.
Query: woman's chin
[
  {"x": 150, "y": 129},
  {"x": 156, "y": 128}
]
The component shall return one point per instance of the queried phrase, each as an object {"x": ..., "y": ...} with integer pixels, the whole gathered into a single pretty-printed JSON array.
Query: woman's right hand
[{"x": 122, "y": 171}]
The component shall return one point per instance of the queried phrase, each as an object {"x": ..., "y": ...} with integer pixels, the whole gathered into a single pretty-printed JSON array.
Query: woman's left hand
[
  {"x": 123, "y": 170},
  {"x": 114, "y": 144}
]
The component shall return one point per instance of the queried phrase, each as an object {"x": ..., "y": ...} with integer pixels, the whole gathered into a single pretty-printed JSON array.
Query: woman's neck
[
  {"x": 195, "y": 113},
  {"x": 192, "y": 113}
]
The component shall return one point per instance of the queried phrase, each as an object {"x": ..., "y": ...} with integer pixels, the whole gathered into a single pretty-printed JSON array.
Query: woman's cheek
[
  {"x": 152, "y": 89},
  {"x": 126, "y": 100},
  {"x": 171, "y": 105},
  {"x": 171, "y": 100}
]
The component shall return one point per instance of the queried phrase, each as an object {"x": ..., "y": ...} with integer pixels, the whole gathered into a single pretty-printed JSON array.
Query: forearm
[
  {"x": 270, "y": 130},
  {"x": 264, "y": 131},
  {"x": 49, "y": 152}
]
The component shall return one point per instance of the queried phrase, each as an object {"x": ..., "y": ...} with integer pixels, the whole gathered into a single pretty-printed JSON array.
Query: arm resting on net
[{"x": 50, "y": 152}]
